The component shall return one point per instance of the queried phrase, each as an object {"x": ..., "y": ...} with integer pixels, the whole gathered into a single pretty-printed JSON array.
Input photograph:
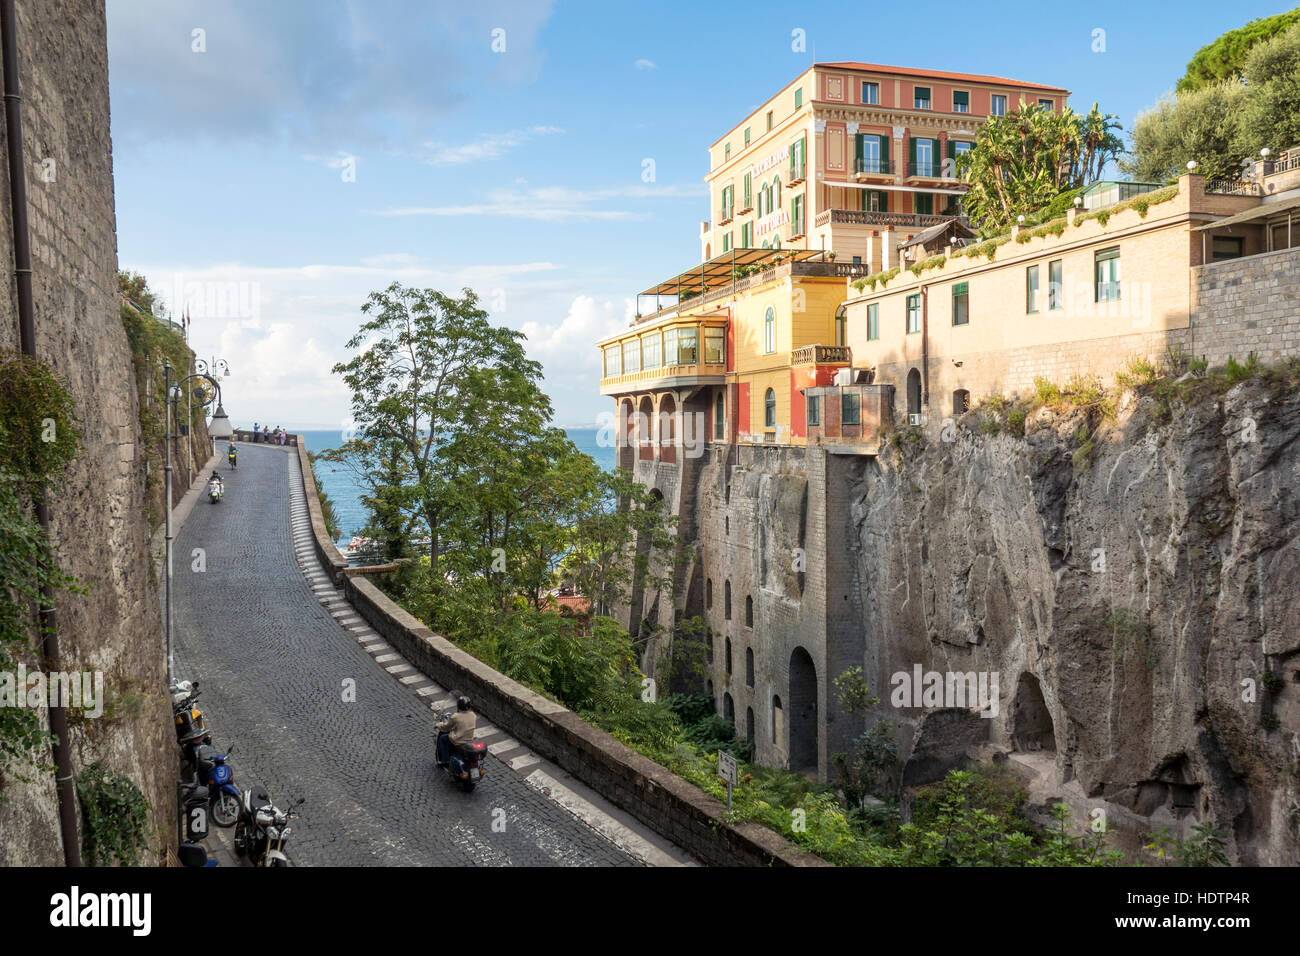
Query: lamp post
[
  {"x": 211, "y": 368},
  {"x": 220, "y": 428}
]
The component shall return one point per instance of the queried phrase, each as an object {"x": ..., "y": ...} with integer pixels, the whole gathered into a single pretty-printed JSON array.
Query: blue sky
[{"x": 293, "y": 156}]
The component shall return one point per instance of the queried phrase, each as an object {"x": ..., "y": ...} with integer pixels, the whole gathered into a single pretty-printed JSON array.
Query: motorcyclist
[
  {"x": 230, "y": 455},
  {"x": 457, "y": 729},
  {"x": 216, "y": 484}
]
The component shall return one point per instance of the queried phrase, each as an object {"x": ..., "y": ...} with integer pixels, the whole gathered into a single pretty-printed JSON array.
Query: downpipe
[{"x": 64, "y": 777}]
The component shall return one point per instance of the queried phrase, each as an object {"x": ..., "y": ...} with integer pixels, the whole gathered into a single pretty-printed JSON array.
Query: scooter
[
  {"x": 230, "y": 457},
  {"x": 191, "y": 726},
  {"x": 263, "y": 828},
  {"x": 465, "y": 762},
  {"x": 215, "y": 489},
  {"x": 212, "y": 771}
]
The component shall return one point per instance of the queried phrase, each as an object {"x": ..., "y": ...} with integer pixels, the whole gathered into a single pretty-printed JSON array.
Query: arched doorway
[
  {"x": 729, "y": 709},
  {"x": 1031, "y": 721},
  {"x": 803, "y": 711},
  {"x": 668, "y": 429},
  {"x": 627, "y": 435},
  {"x": 913, "y": 394},
  {"x": 644, "y": 435},
  {"x": 719, "y": 418}
]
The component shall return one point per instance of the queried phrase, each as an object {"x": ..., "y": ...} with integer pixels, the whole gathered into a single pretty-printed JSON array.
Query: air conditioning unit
[
  {"x": 913, "y": 418},
  {"x": 843, "y": 377}
]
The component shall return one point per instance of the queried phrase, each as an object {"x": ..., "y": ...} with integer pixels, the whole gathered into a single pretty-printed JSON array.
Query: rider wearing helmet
[{"x": 457, "y": 729}]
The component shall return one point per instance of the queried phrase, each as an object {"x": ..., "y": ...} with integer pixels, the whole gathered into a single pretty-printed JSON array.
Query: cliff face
[
  {"x": 98, "y": 510},
  {"x": 1130, "y": 603}
]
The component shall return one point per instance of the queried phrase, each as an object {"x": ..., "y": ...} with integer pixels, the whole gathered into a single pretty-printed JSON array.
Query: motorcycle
[
  {"x": 215, "y": 490},
  {"x": 263, "y": 828},
  {"x": 191, "y": 726},
  {"x": 465, "y": 762},
  {"x": 230, "y": 457},
  {"x": 212, "y": 771}
]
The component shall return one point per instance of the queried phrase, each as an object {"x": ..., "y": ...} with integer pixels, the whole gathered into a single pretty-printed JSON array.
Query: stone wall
[
  {"x": 98, "y": 510},
  {"x": 1247, "y": 305}
]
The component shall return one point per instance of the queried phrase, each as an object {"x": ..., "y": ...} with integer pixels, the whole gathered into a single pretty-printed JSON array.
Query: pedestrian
[
  {"x": 266, "y": 434},
  {"x": 283, "y": 434},
  {"x": 255, "y": 432}
]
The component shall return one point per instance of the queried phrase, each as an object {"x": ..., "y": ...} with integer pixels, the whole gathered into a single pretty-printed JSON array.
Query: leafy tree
[
  {"x": 1025, "y": 159},
  {"x": 1225, "y": 58}
]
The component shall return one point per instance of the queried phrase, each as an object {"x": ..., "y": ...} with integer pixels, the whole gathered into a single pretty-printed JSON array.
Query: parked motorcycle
[
  {"x": 212, "y": 771},
  {"x": 465, "y": 762},
  {"x": 191, "y": 727},
  {"x": 216, "y": 488},
  {"x": 263, "y": 828}
]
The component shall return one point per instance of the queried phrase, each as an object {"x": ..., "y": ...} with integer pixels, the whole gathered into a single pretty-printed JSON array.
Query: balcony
[
  {"x": 682, "y": 353},
  {"x": 798, "y": 228},
  {"x": 746, "y": 205},
  {"x": 931, "y": 170},
  {"x": 797, "y": 175},
  {"x": 883, "y": 220},
  {"x": 725, "y": 215},
  {"x": 822, "y": 355},
  {"x": 867, "y": 166}
]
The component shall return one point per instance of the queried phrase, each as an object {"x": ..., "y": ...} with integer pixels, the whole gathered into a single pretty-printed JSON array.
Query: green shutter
[
  {"x": 911, "y": 154},
  {"x": 884, "y": 152},
  {"x": 798, "y": 98}
]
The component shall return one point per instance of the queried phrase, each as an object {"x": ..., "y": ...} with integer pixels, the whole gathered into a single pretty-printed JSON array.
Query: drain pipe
[{"x": 64, "y": 782}]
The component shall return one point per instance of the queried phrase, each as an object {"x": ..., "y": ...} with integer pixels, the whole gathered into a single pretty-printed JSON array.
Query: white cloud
[
  {"x": 557, "y": 203},
  {"x": 570, "y": 343},
  {"x": 517, "y": 212},
  {"x": 488, "y": 146},
  {"x": 644, "y": 64}
]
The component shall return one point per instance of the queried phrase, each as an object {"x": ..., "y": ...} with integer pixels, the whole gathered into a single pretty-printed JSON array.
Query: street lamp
[{"x": 220, "y": 428}]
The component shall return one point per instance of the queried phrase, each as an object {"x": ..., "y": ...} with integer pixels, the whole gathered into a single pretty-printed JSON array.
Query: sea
[{"x": 345, "y": 491}]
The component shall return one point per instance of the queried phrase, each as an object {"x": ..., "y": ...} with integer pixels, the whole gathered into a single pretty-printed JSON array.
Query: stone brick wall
[
  {"x": 98, "y": 510},
  {"x": 1247, "y": 305}
]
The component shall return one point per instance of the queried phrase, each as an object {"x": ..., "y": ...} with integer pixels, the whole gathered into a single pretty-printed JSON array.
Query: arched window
[
  {"x": 769, "y": 330},
  {"x": 769, "y": 409},
  {"x": 960, "y": 401},
  {"x": 728, "y": 709},
  {"x": 913, "y": 392},
  {"x": 728, "y": 656},
  {"x": 841, "y": 327},
  {"x": 708, "y": 594},
  {"x": 749, "y": 611},
  {"x": 749, "y": 667},
  {"x": 749, "y": 723},
  {"x": 776, "y": 193},
  {"x": 726, "y": 600},
  {"x": 719, "y": 418}
]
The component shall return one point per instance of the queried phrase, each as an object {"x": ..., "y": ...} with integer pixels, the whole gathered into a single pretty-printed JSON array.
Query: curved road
[{"x": 273, "y": 661}]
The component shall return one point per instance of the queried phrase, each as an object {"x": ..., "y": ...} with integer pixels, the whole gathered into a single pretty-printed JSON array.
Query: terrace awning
[
  {"x": 1259, "y": 212},
  {"x": 718, "y": 271}
]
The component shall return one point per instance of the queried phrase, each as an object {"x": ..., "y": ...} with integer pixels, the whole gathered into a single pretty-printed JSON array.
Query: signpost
[{"x": 728, "y": 771}]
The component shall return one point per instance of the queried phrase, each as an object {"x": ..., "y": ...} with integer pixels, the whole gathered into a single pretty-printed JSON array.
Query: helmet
[{"x": 462, "y": 703}]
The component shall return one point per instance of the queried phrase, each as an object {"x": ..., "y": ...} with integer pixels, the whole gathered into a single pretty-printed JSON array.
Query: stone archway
[
  {"x": 1031, "y": 721},
  {"x": 803, "y": 711}
]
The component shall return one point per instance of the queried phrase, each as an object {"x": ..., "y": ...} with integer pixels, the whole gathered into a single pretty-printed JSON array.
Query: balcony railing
[
  {"x": 930, "y": 170},
  {"x": 725, "y": 215},
  {"x": 797, "y": 227},
  {"x": 869, "y": 217},
  {"x": 797, "y": 174},
  {"x": 822, "y": 355},
  {"x": 1232, "y": 187},
  {"x": 873, "y": 166}
]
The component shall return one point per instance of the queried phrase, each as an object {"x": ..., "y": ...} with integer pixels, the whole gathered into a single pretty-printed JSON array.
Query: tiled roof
[{"x": 937, "y": 75}]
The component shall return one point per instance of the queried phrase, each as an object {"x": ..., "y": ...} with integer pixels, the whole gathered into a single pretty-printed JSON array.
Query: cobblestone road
[{"x": 272, "y": 663}]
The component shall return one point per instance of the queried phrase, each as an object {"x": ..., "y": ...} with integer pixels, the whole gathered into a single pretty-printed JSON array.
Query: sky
[{"x": 276, "y": 162}]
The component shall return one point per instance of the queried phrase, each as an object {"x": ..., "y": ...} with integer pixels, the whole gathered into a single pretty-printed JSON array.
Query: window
[
  {"x": 715, "y": 346},
  {"x": 814, "y": 416},
  {"x": 749, "y": 677},
  {"x": 798, "y": 98},
  {"x": 997, "y": 105},
  {"x": 1047, "y": 104},
  {"x": 632, "y": 355},
  {"x": 1226, "y": 247},
  {"x": 719, "y": 418},
  {"x": 650, "y": 351},
  {"x": 728, "y": 657},
  {"x": 1031, "y": 290},
  {"x": 746, "y": 235},
  {"x": 960, "y": 401},
  {"x": 850, "y": 408},
  {"x": 726, "y": 242},
  {"x": 769, "y": 331},
  {"x": 1106, "y": 271},
  {"x": 960, "y": 303},
  {"x": 857, "y": 260},
  {"x": 769, "y": 409},
  {"x": 749, "y": 610},
  {"x": 873, "y": 321},
  {"x": 726, "y": 600},
  {"x": 914, "y": 313},
  {"x": 749, "y": 191},
  {"x": 613, "y": 364},
  {"x": 774, "y": 195},
  {"x": 708, "y": 594},
  {"x": 841, "y": 327},
  {"x": 960, "y": 101},
  {"x": 769, "y": 120},
  {"x": 1055, "y": 285},
  {"x": 871, "y": 93},
  {"x": 726, "y": 152},
  {"x": 797, "y": 156},
  {"x": 796, "y": 216},
  {"x": 873, "y": 200},
  {"x": 957, "y": 147},
  {"x": 923, "y": 158},
  {"x": 924, "y": 203},
  {"x": 921, "y": 97},
  {"x": 670, "y": 347},
  {"x": 686, "y": 346},
  {"x": 746, "y": 135}
]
